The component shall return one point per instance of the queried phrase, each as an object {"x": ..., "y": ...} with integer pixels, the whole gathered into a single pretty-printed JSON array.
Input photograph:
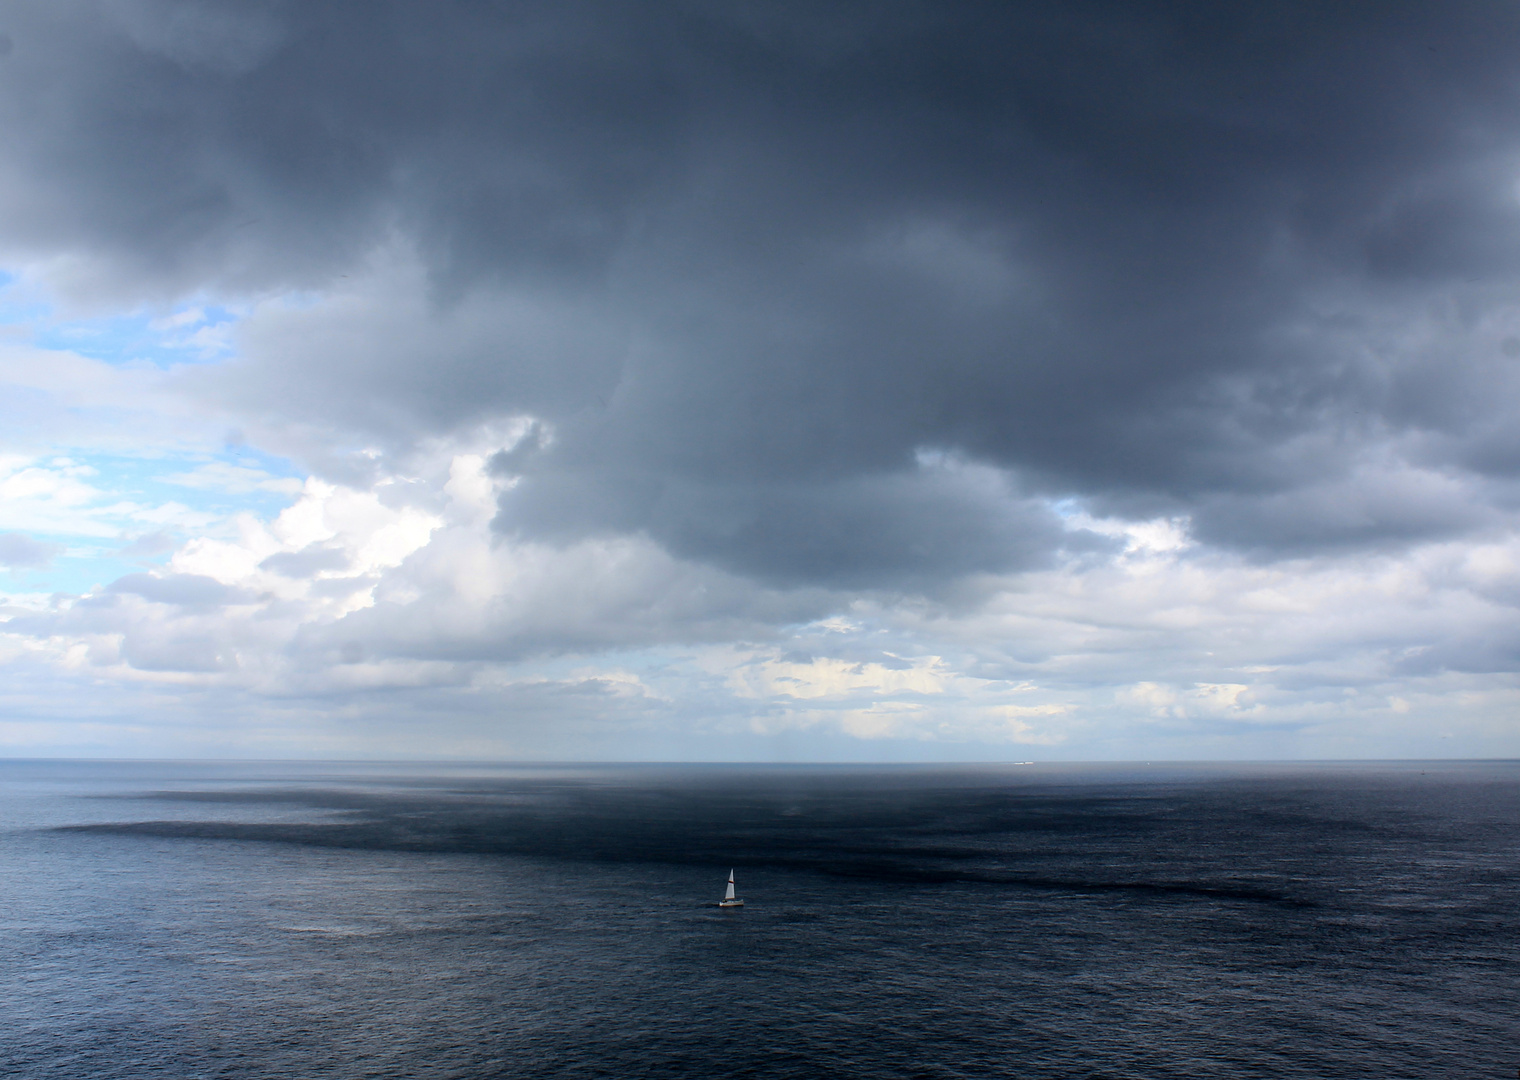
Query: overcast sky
[{"x": 762, "y": 380}]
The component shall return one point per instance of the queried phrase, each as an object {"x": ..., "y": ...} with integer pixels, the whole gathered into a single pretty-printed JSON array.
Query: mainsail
[{"x": 730, "y": 894}]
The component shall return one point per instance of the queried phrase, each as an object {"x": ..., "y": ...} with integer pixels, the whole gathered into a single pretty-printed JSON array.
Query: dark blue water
[{"x": 173, "y": 920}]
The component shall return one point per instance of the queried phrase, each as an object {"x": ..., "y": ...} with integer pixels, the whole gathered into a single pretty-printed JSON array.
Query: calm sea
[{"x": 303, "y": 921}]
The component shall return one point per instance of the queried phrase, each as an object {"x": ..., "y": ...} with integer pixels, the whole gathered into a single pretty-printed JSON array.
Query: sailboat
[{"x": 729, "y": 899}]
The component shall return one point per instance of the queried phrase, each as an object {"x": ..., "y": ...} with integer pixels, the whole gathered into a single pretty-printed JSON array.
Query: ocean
[{"x": 199, "y": 920}]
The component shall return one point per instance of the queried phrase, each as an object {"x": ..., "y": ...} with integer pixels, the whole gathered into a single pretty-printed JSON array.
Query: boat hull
[{"x": 730, "y": 903}]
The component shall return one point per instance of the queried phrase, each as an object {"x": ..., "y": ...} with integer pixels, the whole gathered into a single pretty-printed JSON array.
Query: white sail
[{"x": 730, "y": 894}]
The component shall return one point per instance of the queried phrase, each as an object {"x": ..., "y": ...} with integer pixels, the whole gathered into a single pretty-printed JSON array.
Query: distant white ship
[{"x": 729, "y": 899}]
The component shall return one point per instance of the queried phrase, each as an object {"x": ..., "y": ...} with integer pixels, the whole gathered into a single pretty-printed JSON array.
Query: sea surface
[{"x": 340, "y": 921}]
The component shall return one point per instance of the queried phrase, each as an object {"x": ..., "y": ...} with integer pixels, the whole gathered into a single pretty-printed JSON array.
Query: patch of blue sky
[
  {"x": 111, "y": 512},
  {"x": 224, "y": 482},
  {"x": 19, "y": 309},
  {"x": 190, "y": 332},
  {"x": 76, "y": 570},
  {"x": 139, "y": 509}
]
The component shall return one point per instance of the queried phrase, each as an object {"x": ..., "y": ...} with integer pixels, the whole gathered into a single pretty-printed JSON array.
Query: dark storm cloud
[
  {"x": 887, "y": 529},
  {"x": 749, "y": 263}
]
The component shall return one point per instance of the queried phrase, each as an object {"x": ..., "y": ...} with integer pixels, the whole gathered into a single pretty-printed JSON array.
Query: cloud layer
[{"x": 1037, "y": 349}]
